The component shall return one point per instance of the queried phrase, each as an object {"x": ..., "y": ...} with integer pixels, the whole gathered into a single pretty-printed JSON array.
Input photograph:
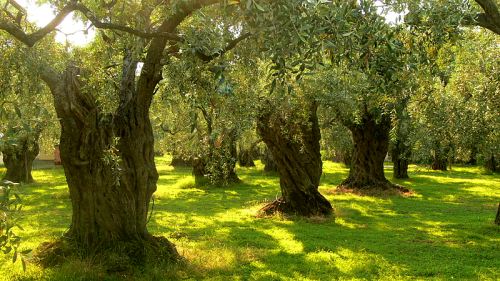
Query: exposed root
[
  {"x": 115, "y": 257},
  {"x": 376, "y": 188},
  {"x": 281, "y": 207}
]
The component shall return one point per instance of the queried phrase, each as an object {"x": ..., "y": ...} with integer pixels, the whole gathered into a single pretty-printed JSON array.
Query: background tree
[
  {"x": 366, "y": 79},
  {"x": 25, "y": 112}
]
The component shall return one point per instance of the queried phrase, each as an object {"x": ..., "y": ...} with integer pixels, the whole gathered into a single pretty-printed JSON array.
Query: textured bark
[
  {"x": 491, "y": 164},
  {"x": 371, "y": 143},
  {"x": 109, "y": 167},
  {"x": 299, "y": 163},
  {"x": 109, "y": 159},
  {"x": 19, "y": 162},
  {"x": 497, "y": 218},
  {"x": 439, "y": 163},
  {"x": 268, "y": 160}
]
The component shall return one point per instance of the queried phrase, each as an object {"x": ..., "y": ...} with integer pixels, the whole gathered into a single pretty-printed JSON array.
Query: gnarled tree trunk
[
  {"x": 371, "y": 143},
  {"x": 19, "y": 162},
  {"x": 298, "y": 161},
  {"x": 110, "y": 171},
  {"x": 268, "y": 160}
]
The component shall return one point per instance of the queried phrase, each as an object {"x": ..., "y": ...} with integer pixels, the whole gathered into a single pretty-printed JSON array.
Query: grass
[{"x": 443, "y": 232}]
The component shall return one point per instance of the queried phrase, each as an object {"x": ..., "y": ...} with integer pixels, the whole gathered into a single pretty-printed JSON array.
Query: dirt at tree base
[
  {"x": 280, "y": 207},
  {"x": 377, "y": 189},
  {"x": 116, "y": 257}
]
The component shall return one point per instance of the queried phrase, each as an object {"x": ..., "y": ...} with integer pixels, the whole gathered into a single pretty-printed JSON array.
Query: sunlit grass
[{"x": 442, "y": 232}]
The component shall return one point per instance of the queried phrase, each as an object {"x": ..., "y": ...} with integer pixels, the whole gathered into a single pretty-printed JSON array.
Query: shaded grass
[{"x": 443, "y": 232}]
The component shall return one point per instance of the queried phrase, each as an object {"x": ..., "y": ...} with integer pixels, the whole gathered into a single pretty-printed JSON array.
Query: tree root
[
  {"x": 114, "y": 257},
  {"x": 374, "y": 188},
  {"x": 281, "y": 207}
]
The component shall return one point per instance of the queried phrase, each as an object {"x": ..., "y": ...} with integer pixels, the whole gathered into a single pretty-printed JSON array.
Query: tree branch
[
  {"x": 233, "y": 43},
  {"x": 31, "y": 39},
  {"x": 113, "y": 26},
  {"x": 490, "y": 19}
]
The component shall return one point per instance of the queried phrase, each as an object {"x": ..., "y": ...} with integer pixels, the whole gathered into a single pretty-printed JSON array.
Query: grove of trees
[{"x": 206, "y": 80}]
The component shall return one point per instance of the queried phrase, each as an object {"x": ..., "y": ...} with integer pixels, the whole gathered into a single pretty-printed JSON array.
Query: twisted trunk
[
  {"x": 299, "y": 163},
  {"x": 371, "y": 143},
  {"x": 19, "y": 162},
  {"x": 268, "y": 160},
  {"x": 109, "y": 166}
]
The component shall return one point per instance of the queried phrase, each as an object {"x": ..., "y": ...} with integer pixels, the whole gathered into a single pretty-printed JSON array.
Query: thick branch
[
  {"x": 113, "y": 26},
  {"x": 31, "y": 39},
  {"x": 490, "y": 19},
  {"x": 151, "y": 71},
  {"x": 233, "y": 43}
]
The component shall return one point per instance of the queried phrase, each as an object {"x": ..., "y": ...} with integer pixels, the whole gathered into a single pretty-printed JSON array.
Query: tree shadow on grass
[{"x": 427, "y": 236}]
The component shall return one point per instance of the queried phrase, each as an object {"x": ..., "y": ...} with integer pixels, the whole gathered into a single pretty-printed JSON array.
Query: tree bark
[
  {"x": 439, "y": 163},
  {"x": 109, "y": 165},
  {"x": 371, "y": 143},
  {"x": 268, "y": 160},
  {"x": 400, "y": 160},
  {"x": 19, "y": 162},
  {"x": 298, "y": 161},
  {"x": 497, "y": 218},
  {"x": 491, "y": 164}
]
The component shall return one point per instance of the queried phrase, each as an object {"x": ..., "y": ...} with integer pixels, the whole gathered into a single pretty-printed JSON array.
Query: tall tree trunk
[
  {"x": 371, "y": 143},
  {"x": 400, "y": 160},
  {"x": 19, "y": 161},
  {"x": 298, "y": 161}
]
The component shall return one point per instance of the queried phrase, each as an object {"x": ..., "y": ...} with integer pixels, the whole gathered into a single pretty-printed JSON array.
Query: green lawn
[{"x": 443, "y": 232}]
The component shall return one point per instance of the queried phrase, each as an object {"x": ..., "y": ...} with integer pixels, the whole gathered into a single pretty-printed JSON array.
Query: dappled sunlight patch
[
  {"x": 362, "y": 264},
  {"x": 285, "y": 239},
  {"x": 210, "y": 259},
  {"x": 344, "y": 223}
]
